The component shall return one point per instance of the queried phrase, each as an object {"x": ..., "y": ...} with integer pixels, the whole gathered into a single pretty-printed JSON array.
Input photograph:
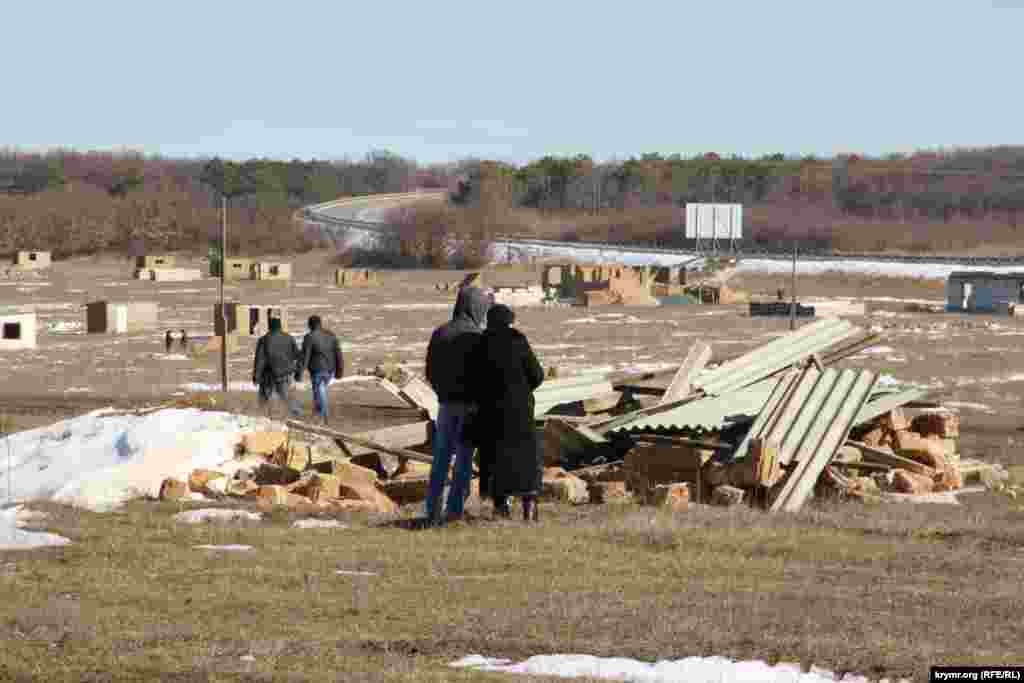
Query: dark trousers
[{"x": 282, "y": 388}]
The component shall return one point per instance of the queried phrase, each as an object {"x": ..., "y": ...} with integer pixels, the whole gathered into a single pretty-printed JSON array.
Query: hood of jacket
[{"x": 471, "y": 304}]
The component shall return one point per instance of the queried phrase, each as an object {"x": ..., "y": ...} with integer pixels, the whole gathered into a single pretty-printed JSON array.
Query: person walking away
[
  {"x": 448, "y": 354},
  {"x": 276, "y": 357},
  {"x": 505, "y": 373},
  {"x": 321, "y": 356},
  {"x": 168, "y": 340},
  {"x": 184, "y": 342}
]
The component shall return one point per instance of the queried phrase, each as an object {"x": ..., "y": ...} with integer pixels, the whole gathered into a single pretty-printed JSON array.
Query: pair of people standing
[
  {"x": 279, "y": 359},
  {"x": 485, "y": 379}
]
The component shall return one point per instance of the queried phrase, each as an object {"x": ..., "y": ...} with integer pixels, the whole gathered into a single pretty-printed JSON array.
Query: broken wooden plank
[
  {"x": 626, "y": 378},
  {"x": 682, "y": 441},
  {"x": 891, "y": 459},
  {"x": 324, "y": 431},
  {"x": 400, "y": 436},
  {"x": 600, "y": 404},
  {"x": 695, "y": 361}
]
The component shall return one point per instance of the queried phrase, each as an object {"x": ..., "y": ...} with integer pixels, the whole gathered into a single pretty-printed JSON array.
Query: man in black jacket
[
  {"x": 276, "y": 357},
  {"x": 321, "y": 355},
  {"x": 448, "y": 356}
]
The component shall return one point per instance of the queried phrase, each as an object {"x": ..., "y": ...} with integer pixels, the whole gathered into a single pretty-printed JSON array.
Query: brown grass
[{"x": 876, "y": 590}]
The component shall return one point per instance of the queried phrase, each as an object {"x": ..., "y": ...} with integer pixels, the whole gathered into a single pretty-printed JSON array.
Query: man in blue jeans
[
  {"x": 321, "y": 355},
  {"x": 448, "y": 355}
]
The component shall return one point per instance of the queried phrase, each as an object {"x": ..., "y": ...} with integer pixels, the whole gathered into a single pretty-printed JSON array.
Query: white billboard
[{"x": 714, "y": 221}]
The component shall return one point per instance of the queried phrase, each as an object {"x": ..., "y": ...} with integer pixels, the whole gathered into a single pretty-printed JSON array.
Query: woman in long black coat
[{"x": 505, "y": 373}]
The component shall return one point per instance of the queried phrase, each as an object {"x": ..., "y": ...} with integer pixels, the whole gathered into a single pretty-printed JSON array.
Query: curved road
[{"x": 352, "y": 221}]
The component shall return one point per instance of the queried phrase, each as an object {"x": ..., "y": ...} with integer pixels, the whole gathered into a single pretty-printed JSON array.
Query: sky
[{"x": 514, "y": 81}]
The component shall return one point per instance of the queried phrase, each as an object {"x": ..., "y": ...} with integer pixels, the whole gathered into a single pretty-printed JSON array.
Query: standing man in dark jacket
[
  {"x": 505, "y": 374},
  {"x": 321, "y": 355},
  {"x": 448, "y": 356},
  {"x": 276, "y": 357}
]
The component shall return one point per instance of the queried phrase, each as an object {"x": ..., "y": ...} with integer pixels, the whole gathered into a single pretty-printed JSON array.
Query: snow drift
[{"x": 100, "y": 460}]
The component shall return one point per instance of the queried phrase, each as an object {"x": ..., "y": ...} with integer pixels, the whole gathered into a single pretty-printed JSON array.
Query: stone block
[
  {"x": 945, "y": 424},
  {"x": 263, "y": 443},
  {"x": 608, "y": 492},
  {"x": 406, "y": 490},
  {"x": 173, "y": 489},
  {"x": 674, "y": 497},
  {"x": 895, "y": 420},
  {"x": 368, "y": 493},
  {"x": 560, "y": 486},
  {"x": 272, "y": 495},
  {"x": 727, "y": 496},
  {"x": 322, "y": 487},
  {"x": 909, "y": 482},
  {"x": 269, "y": 474},
  {"x": 201, "y": 479}
]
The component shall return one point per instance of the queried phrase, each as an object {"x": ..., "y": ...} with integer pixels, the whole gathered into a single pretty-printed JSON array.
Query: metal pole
[
  {"x": 792, "y": 287},
  {"x": 223, "y": 311}
]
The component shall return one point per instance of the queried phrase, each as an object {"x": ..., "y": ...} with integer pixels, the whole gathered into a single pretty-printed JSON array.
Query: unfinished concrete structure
[
  {"x": 235, "y": 269},
  {"x": 247, "y": 320},
  {"x": 272, "y": 271},
  {"x": 108, "y": 317},
  {"x": 598, "y": 284},
  {"x": 17, "y": 330},
  {"x": 155, "y": 261},
  {"x": 984, "y": 292},
  {"x": 346, "y": 277},
  {"x": 31, "y": 260},
  {"x": 168, "y": 274}
]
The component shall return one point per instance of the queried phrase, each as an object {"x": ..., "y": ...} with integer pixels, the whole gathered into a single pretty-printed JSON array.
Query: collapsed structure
[
  {"x": 348, "y": 277},
  {"x": 32, "y": 260}
]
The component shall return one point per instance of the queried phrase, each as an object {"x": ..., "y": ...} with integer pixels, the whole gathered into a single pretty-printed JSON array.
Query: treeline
[
  {"x": 82, "y": 202},
  {"x": 822, "y": 201}
]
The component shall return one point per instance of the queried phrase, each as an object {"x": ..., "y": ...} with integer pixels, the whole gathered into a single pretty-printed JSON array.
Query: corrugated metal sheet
[
  {"x": 809, "y": 414},
  {"x": 776, "y": 355},
  {"x": 880, "y": 404},
  {"x": 555, "y": 392},
  {"x": 714, "y": 412}
]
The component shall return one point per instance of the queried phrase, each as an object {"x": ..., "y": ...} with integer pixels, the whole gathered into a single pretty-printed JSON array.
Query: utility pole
[
  {"x": 792, "y": 287},
  {"x": 223, "y": 310}
]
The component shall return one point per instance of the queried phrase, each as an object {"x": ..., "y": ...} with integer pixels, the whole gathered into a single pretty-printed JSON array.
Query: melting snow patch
[
  {"x": 318, "y": 524},
  {"x": 980, "y": 407},
  {"x": 99, "y": 461},
  {"x": 688, "y": 670},
  {"x": 12, "y": 537},
  {"x": 350, "y": 572},
  {"x": 228, "y": 548},
  {"x": 216, "y": 515}
]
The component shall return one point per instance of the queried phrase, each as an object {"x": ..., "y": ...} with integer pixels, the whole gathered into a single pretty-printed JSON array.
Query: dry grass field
[{"x": 885, "y": 590}]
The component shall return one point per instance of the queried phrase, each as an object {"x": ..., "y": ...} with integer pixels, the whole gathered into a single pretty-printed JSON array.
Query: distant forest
[{"x": 80, "y": 202}]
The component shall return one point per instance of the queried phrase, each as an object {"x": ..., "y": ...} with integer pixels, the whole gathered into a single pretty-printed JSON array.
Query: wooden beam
[
  {"x": 324, "y": 431},
  {"x": 891, "y": 459},
  {"x": 682, "y": 384},
  {"x": 696, "y": 443}
]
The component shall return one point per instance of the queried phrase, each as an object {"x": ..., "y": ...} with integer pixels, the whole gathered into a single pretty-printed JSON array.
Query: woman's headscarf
[{"x": 499, "y": 316}]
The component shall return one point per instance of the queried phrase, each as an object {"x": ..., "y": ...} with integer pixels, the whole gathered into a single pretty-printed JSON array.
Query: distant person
[
  {"x": 505, "y": 373},
  {"x": 184, "y": 342},
  {"x": 780, "y": 292},
  {"x": 168, "y": 341},
  {"x": 321, "y": 356},
  {"x": 277, "y": 355},
  {"x": 448, "y": 355}
]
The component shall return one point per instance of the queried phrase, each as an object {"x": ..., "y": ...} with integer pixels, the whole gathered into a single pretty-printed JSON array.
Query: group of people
[
  {"x": 279, "y": 360},
  {"x": 484, "y": 374},
  {"x": 484, "y": 380}
]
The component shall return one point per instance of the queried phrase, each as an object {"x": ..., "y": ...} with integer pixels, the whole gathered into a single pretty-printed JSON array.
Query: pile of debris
[
  {"x": 772, "y": 428},
  {"x": 319, "y": 475}
]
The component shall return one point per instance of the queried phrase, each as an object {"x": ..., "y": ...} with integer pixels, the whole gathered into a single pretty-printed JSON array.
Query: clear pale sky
[{"x": 439, "y": 81}]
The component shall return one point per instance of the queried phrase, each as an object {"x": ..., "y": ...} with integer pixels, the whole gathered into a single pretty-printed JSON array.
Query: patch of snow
[
  {"x": 249, "y": 386},
  {"x": 13, "y": 537},
  {"x": 349, "y": 572},
  {"x": 99, "y": 461},
  {"x": 688, "y": 670},
  {"x": 233, "y": 547},
  {"x": 216, "y": 515},
  {"x": 980, "y": 407},
  {"x": 318, "y": 524}
]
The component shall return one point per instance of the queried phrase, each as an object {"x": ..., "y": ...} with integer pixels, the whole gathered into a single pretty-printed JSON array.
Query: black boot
[{"x": 529, "y": 509}]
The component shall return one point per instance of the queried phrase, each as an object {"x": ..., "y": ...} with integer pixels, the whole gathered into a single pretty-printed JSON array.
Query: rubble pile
[{"x": 279, "y": 470}]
